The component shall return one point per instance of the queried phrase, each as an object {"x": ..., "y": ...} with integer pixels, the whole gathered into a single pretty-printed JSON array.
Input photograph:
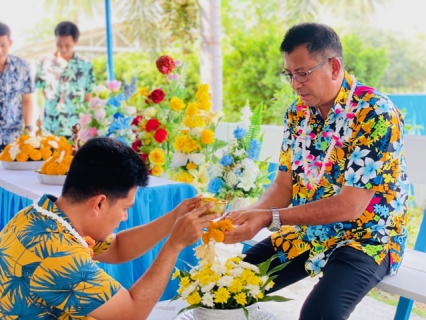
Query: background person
[
  {"x": 15, "y": 92},
  {"x": 46, "y": 265},
  {"x": 66, "y": 79},
  {"x": 338, "y": 202}
]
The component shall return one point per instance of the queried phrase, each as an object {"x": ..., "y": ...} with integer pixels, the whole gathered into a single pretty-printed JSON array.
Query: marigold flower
[
  {"x": 26, "y": 148},
  {"x": 157, "y": 170},
  {"x": 176, "y": 104},
  {"x": 22, "y": 157},
  {"x": 165, "y": 64},
  {"x": 35, "y": 155},
  {"x": 191, "y": 109},
  {"x": 207, "y": 136},
  {"x": 157, "y": 157}
]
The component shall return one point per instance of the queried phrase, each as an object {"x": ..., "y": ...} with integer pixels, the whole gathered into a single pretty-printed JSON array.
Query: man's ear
[
  {"x": 99, "y": 203},
  {"x": 336, "y": 68}
]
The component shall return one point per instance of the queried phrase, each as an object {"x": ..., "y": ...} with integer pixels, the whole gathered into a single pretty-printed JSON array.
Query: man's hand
[
  {"x": 186, "y": 206},
  {"x": 247, "y": 223},
  {"x": 190, "y": 227}
]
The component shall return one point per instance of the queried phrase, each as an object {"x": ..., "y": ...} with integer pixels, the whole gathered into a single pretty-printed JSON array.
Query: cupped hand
[
  {"x": 186, "y": 206},
  {"x": 247, "y": 223},
  {"x": 189, "y": 227}
]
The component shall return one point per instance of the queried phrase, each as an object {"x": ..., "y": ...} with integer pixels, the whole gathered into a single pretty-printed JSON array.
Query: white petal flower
[
  {"x": 208, "y": 300},
  {"x": 206, "y": 288},
  {"x": 190, "y": 289},
  {"x": 179, "y": 160},
  {"x": 33, "y": 142},
  {"x": 197, "y": 158},
  {"x": 14, "y": 150},
  {"x": 253, "y": 289},
  {"x": 231, "y": 179},
  {"x": 225, "y": 281},
  {"x": 249, "y": 266},
  {"x": 216, "y": 170},
  {"x": 197, "y": 131}
]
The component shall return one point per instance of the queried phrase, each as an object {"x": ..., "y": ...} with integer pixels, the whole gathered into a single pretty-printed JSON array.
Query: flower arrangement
[
  {"x": 236, "y": 172},
  {"x": 108, "y": 113},
  {"x": 173, "y": 134},
  {"x": 229, "y": 284},
  {"x": 59, "y": 163},
  {"x": 32, "y": 148}
]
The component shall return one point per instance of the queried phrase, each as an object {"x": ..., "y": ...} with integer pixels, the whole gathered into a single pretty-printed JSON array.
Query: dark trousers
[{"x": 346, "y": 278}]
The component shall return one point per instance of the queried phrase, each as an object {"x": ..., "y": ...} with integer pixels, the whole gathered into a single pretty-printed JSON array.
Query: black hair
[
  {"x": 104, "y": 166},
  {"x": 4, "y": 30},
  {"x": 319, "y": 39},
  {"x": 67, "y": 28}
]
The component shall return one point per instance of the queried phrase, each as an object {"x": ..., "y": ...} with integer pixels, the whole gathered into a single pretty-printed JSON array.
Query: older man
[
  {"x": 15, "y": 92},
  {"x": 338, "y": 203}
]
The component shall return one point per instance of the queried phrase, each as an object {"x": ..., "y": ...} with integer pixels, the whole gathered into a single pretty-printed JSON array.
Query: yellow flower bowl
[{"x": 218, "y": 207}]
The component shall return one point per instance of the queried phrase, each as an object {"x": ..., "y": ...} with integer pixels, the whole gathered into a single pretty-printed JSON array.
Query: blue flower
[
  {"x": 130, "y": 89},
  {"x": 240, "y": 133},
  {"x": 254, "y": 149},
  {"x": 215, "y": 185},
  {"x": 227, "y": 160},
  {"x": 116, "y": 101},
  {"x": 119, "y": 123}
]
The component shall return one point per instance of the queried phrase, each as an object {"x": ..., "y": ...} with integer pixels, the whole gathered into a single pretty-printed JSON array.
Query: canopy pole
[{"x": 110, "y": 60}]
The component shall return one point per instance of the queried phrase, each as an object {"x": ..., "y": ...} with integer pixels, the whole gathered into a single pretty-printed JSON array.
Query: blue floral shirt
[
  {"x": 15, "y": 80},
  {"x": 64, "y": 85}
]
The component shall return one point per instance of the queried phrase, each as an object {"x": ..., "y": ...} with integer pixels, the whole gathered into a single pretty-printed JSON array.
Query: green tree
[{"x": 366, "y": 62}]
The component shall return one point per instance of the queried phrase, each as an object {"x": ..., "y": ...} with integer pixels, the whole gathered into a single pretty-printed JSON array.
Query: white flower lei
[
  {"x": 340, "y": 122},
  {"x": 59, "y": 219}
]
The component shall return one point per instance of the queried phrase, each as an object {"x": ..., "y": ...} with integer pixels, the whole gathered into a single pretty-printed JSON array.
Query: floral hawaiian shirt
[
  {"x": 15, "y": 80},
  {"x": 45, "y": 273},
  {"x": 64, "y": 85},
  {"x": 369, "y": 155}
]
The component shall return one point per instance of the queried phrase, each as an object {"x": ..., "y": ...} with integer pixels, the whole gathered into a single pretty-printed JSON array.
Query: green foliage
[
  {"x": 366, "y": 62},
  {"x": 251, "y": 71}
]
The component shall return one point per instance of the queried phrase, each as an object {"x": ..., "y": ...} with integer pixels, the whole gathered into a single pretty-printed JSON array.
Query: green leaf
[
  {"x": 255, "y": 126},
  {"x": 275, "y": 298},
  {"x": 278, "y": 268}
]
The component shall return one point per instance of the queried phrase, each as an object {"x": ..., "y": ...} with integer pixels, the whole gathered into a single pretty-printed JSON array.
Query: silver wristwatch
[{"x": 276, "y": 223}]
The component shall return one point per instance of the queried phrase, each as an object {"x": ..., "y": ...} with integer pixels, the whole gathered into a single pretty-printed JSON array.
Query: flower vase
[
  {"x": 239, "y": 203},
  {"x": 228, "y": 314}
]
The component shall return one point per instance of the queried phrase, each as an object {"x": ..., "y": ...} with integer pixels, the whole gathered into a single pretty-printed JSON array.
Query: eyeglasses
[{"x": 303, "y": 76}]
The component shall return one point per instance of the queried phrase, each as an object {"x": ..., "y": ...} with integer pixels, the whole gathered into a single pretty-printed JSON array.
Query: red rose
[
  {"x": 144, "y": 157},
  {"x": 165, "y": 64},
  {"x": 152, "y": 125},
  {"x": 137, "y": 120},
  {"x": 160, "y": 135},
  {"x": 157, "y": 95},
  {"x": 136, "y": 145}
]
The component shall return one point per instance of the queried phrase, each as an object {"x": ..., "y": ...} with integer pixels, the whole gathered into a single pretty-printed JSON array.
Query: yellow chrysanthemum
[
  {"x": 236, "y": 286},
  {"x": 194, "y": 298},
  {"x": 203, "y": 87},
  {"x": 184, "y": 281},
  {"x": 157, "y": 170},
  {"x": 190, "y": 145},
  {"x": 207, "y": 136},
  {"x": 222, "y": 295},
  {"x": 194, "y": 122},
  {"x": 176, "y": 274},
  {"x": 179, "y": 142},
  {"x": 176, "y": 104},
  {"x": 241, "y": 298},
  {"x": 157, "y": 157},
  {"x": 205, "y": 105}
]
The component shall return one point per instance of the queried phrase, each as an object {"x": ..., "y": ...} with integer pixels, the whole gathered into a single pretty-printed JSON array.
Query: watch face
[{"x": 274, "y": 228}]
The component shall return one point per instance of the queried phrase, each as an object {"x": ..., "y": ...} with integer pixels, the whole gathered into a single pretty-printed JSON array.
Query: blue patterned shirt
[
  {"x": 15, "y": 80},
  {"x": 64, "y": 84}
]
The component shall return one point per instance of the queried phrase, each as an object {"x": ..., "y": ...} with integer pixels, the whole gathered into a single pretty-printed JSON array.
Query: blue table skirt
[{"x": 151, "y": 203}]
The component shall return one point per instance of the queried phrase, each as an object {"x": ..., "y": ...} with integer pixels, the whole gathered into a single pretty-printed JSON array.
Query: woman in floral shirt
[{"x": 339, "y": 199}]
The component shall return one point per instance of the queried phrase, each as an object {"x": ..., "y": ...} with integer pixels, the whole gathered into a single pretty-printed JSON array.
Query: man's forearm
[{"x": 27, "y": 109}]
